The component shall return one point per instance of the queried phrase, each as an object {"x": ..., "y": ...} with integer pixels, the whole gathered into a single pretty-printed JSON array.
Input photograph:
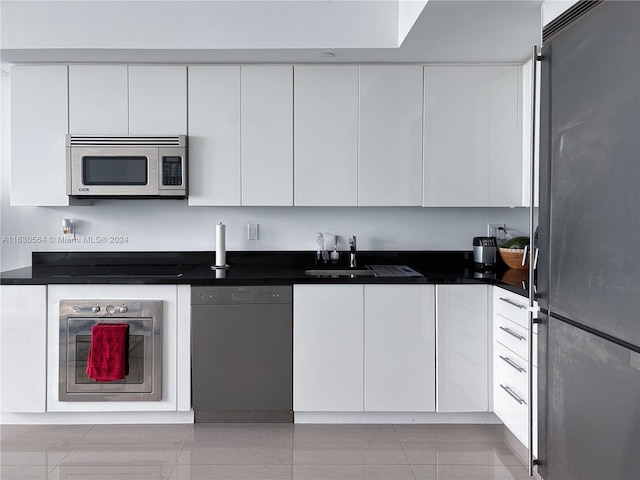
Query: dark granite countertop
[{"x": 251, "y": 268}]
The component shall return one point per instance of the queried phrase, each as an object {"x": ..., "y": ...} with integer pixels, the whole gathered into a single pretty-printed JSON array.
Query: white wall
[
  {"x": 171, "y": 225},
  {"x": 551, "y": 9},
  {"x": 165, "y": 225}
]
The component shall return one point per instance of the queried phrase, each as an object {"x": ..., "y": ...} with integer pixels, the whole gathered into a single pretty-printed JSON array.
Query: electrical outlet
[
  {"x": 492, "y": 229},
  {"x": 252, "y": 231}
]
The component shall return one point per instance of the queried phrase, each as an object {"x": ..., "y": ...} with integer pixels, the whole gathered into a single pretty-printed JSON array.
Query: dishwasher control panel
[{"x": 271, "y": 294}]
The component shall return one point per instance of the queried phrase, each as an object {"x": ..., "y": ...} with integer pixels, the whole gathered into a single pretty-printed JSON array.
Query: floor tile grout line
[
  {"x": 403, "y": 452},
  {"x": 70, "y": 450},
  {"x": 174, "y": 468}
]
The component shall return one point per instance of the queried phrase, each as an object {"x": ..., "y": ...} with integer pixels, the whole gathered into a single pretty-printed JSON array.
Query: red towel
[{"x": 108, "y": 353}]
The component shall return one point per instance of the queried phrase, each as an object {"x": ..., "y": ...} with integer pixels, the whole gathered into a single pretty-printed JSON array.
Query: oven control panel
[{"x": 106, "y": 308}]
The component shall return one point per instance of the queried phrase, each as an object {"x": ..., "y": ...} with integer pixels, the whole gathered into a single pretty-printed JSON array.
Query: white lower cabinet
[
  {"x": 23, "y": 349},
  {"x": 363, "y": 348},
  {"x": 176, "y": 343},
  {"x": 399, "y": 348},
  {"x": 510, "y": 393},
  {"x": 511, "y": 366},
  {"x": 328, "y": 348},
  {"x": 463, "y": 348}
]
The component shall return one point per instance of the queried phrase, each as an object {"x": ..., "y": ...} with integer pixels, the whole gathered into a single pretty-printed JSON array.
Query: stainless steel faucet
[{"x": 352, "y": 251}]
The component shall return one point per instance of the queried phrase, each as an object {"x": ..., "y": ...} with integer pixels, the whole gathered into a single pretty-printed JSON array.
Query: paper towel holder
[
  {"x": 219, "y": 267},
  {"x": 221, "y": 253}
]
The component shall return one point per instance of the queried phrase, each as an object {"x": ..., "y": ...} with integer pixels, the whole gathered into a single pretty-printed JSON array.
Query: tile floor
[{"x": 257, "y": 451}]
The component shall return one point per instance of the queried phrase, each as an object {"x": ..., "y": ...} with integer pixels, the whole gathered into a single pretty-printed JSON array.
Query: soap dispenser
[
  {"x": 320, "y": 250},
  {"x": 335, "y": 256}
]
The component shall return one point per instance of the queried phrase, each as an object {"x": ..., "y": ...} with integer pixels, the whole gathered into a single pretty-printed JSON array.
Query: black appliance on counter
[
  {"x": 589, "y": 263},
  {"x": 484, "y": 252}
]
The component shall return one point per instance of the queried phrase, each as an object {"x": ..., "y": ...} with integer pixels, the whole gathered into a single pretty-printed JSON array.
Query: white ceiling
[{"x": 357, "y": 31}]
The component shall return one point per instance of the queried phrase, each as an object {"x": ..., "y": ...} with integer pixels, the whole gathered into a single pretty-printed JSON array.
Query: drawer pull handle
[
  {"x": 513, "y": 395},
  {"x": 513, "y": 334},
  {"x": 513, "y": 364},
  {"x": 514, "y": 303}
]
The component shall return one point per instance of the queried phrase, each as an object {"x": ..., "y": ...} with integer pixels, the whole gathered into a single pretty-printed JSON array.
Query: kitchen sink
[
  {"x": 347, "y": 272},
  {"x": 378, "y": 271}
]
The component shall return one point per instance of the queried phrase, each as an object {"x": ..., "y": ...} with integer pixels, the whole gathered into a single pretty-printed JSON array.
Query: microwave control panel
[{"x": 171, "y": 170}]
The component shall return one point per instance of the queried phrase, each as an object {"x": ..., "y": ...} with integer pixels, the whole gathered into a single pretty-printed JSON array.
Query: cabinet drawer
[
  {"x": 511, "y": 306},
  {"x": 511, "y": 370},
  {"x": 513, "y": 414},
  {"x": 510, "y": 391},
  {"x": 511, "y": 335}
]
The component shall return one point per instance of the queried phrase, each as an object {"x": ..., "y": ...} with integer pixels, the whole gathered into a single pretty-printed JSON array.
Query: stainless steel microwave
[{"x": 126, "y": 166}]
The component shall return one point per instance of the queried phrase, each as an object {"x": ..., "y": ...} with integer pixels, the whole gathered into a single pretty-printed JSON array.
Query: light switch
[{"x": 252, "y": 231}]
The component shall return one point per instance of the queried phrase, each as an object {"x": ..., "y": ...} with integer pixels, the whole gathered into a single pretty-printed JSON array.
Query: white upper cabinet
[
  {"x": 390, "y": 141},
  {"x": 399, "y": 348},
  {"x": 214, "y": 135},
  {"x": 326, "y": 135},
  {"x": 463, "y": 348},
  {"x": 157, "y": 100},
  {"x": 39, "y": 123},
  {"x": 472, "y": 130},
  {"x": 121, "y": 100},
  {"x": 266, "y": 119},
  {"x": 98, "y": 100}
]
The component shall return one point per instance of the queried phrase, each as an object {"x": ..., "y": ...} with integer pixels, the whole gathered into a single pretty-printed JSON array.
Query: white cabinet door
[
  {"x": 214, "y": 135},
  {"x": 472, "y": 147},
  {"x": 390, "y": 141},
  {"x": 267, "y": 135},
  {"x": 399, "y": 348},
  {"x": 326, "y": 135},
  {"x": 463, "y": 348},
  {"x": 39, "y": 122},
  {"x": 328, "y": 348},
  {"x": 98, "y": 100},
  {"x": 157, "y": 100},
  {"x": 23, "y": 331}
]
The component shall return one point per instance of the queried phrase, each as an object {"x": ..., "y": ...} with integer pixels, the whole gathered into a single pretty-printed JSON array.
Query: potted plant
[{"x": 513, "y": 253}]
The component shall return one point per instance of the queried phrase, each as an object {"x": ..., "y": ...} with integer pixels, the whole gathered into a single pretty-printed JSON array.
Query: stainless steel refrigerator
[{"x": 589, "y": 234}]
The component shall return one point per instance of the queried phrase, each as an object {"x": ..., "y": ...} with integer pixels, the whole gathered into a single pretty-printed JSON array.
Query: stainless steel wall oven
[{"x": 141, "y": 351}]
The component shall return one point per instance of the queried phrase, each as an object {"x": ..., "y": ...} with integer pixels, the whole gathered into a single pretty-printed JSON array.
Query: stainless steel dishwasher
[{"x": 242, "y": 354}]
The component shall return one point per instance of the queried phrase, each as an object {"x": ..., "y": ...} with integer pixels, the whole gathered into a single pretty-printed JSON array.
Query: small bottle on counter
[{"x": 335, "y": 255}]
